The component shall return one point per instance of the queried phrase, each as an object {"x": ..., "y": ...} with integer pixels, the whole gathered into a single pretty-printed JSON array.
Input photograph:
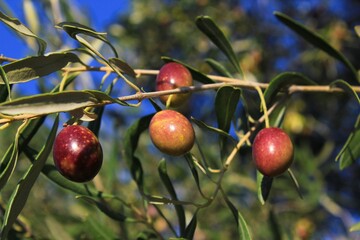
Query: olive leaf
[
  {"x": 30, "y": 68},
  {"x": 22, "y": 190},
  {"x": 213, "y": 32},
  {"x": 316, "y": 40},
  {"x": 73, "y": 29},
  {"x": 15, "y": 24}
]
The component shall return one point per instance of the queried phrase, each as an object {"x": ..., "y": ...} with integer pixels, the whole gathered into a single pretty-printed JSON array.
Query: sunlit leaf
[
  {"x": 283, "y": 81},
  {"x": 244, "y": 232},
  {"x": 73, "y": 29},
  {"x": 31, "y": 16},
  {"x": 15, "y": 24},
  {"x": 30, "y": 68},
  {"x": 213, "y": 32},
  {"x": 22, "y": 190},
  {"x": 350, "y": 152},
  {"x": 355, "y": 227},
  {"x": 197, "y": 75},
  {"x": 48, "y": 103},
  {"x": 264, "y": 184},
  {"x": 162, "y": 169},
  {"x": 131, "y": 139},
  {"x": 316, "y": 40},
  {"x": 357, "y": 30},
  {"x": 218, "y": 67}
]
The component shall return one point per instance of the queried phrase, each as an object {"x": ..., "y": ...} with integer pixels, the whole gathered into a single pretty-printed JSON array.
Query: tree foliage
[{"x": 105, "y": 81}]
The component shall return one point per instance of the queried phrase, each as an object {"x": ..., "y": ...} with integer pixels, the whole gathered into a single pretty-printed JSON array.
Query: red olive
[
  {"x": 77, "y": 153},
  {"x": 272, "y": 151}
]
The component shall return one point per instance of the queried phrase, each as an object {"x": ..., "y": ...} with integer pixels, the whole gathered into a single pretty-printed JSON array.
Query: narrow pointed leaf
[
  {"x": 31, "y": 68},
  {"x": 347, "y": 88},
  {"x": 283, "y": 81},
  {"x": 244, "y": 232},
  {"x": 213, "y": 32},
  {"x": 15, "y": 24},
  {"x": 207, "y": 127},
  {"x": 350, "y": 152},
  {"x": 296, "y": 183},
  {"x": 3, "y": 77},
  {"x": 264, "y": 184},
  {"x": 316, "y": 40},
  {"x": 218, "y": 67},
  {"x": 123, "y": 66},
  {"x": 189, "y": 160},
  {"x": 73, "y": 29},
  {"x": 191, "y": 227},
  {"x": 226, "y": 102},
  {"x": 9, "y": 160},
  {"x": 22, "y": 190},
  {"x": 48, "y": 103},
  {"x": 131, "y": 140},
  {"x": 170, "y": 188},
  {"x": 197, "y": 76}
]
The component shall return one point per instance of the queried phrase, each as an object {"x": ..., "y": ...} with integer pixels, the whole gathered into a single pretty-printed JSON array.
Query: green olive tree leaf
[
  {"x": 9, "y": 160},
  {"x": 197, "y": 75},
  {"x": 243, "y": 229},
  {"x": 283, "y": 81},
  {"x": 277, "y": 116},
  {"x": 123, "y": 66},
  {"x": 20, "y": 194},
  {"x": 264, "y": 184},
  {"x": 48, "y": 103},
  {"x": 226, "y": 101},
  {"x": 30, "y": 68},
  {"x": 316, "y": 40},
  {"x": 213, "y": 32},
  {"x": 131, "y": 139},
  {"x": 350, "y": 152},
  {"x": 4, "y": 93},
  {"x": 205, "y": 126},
  {"x": 194, "y": 172},
  {"x": 191, "y": 227},
  {"x": 346, "y": 87},
  {"x": 73, "y": 29},
  {"x": 180, "y": 212},
  {"x": 296, "y": 183},
  {"x": 6, "y": 81},
  {"x": 16, "y": 25},
  {"x": 218, "y": 67}
]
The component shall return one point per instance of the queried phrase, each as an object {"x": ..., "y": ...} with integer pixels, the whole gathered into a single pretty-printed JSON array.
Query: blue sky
[{"x": 103, "y": 12}]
